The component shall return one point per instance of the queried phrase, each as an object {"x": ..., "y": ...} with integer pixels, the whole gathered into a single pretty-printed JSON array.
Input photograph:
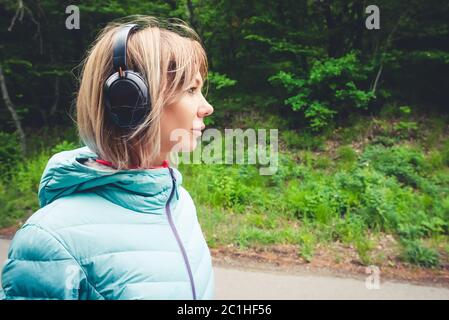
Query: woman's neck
[{"x": 159, "y": 160}]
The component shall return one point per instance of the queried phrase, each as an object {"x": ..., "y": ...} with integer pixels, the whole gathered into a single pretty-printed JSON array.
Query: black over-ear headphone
[{"x": 125, "y": 92}]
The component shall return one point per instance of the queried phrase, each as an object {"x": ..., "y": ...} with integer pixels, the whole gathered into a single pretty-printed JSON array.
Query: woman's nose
[{"x": 206, "y": 110}]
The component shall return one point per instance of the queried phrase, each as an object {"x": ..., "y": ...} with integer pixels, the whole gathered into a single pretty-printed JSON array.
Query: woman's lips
[{"x": 198, "y": 130}]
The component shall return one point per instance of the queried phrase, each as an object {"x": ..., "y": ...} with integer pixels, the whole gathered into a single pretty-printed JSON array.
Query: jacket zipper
[{"x": 175, "y": 232}]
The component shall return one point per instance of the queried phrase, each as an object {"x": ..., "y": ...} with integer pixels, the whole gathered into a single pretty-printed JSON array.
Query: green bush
[
  {"x": 406, "y": 129},
  {"x": 329, "y": 87},
  {"x": 292, "y": 139},
  {"x": 435, "y": 159},
  {"x": 219, "y": 80},
  {"x": 403, "y": 162},
  {"x": 417, "y": 254},
  {"x": 363, "y": 247},
  {"x": 28, "y": 174},
  {"x": 349, "y": 229},
  {"x": 18, "y": 195},
  {"x": 10, "y": 155},
  {"x": 346, "y": 156},
  {"x": 15, "y": 205},
  {"x": 445, "y": 153},
  {"x": 385, "y": 140},
  {"x": 64, "y": 146},
  {"x": 307, "y": 242},
  {"x": 302, "y": 140}
]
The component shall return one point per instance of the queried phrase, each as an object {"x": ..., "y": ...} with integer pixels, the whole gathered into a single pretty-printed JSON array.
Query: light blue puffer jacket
[{"x": 131, "y": 234}]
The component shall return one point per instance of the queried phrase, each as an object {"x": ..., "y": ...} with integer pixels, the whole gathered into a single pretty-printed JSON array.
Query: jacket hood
[{"x": 142, "y": 190}]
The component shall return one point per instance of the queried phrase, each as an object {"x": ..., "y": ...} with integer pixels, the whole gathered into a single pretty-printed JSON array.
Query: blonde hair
[{"x": 168, "y": 54}]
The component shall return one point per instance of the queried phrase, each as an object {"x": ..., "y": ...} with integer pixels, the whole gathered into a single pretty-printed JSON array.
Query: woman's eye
[{"x": 192, "y": 90}]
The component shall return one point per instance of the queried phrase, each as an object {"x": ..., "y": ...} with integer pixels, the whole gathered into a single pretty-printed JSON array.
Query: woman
[{"x": 115, "y": 222}]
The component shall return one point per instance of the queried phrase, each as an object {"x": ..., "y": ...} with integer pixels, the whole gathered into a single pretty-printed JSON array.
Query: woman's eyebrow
[{"x": 197, "y": 81}]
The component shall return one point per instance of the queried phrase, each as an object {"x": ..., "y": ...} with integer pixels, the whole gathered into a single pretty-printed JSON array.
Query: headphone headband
[{"x": 120, "y": 43}]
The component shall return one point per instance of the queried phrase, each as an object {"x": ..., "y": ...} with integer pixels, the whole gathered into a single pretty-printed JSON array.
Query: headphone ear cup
[{"x": 127, "y": 99}]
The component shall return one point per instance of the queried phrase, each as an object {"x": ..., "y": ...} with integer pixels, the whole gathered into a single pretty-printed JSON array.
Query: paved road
[{"x": 241, "y": 284}]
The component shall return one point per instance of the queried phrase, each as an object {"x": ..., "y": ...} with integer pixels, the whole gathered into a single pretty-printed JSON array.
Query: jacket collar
[{"x": 141, "y": 190}]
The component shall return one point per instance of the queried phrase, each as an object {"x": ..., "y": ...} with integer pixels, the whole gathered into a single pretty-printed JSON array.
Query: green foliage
[
  {"x": 432, "y": 131},
  {"x": 363, "y": 247},
  {"x": 10, "y": 154},
  {"x": 18, "y": 193},
  {"x": 347, "y": 155},
  {"x": 403, "y": 162},
  {"x": 220, "y": 81},
  {"x": 415, "y": 253},
  {"x": 349, "y": 229},
  {"x": 28, "y": 174},
  {"x": 329, "y": 87},
  {"x": 302, "y": 140},
  {"x": 307, "y": 243},
  {"x": 64, "y": 146},
  {"x": 405, "y": 110},
  {"x": 333, "y": 62},
  {"x": 15, "y": 205},
  {"x": 261, "y": 221},
  {"x": 445, "y": 153},
  {"x": 405, "y": 128}
]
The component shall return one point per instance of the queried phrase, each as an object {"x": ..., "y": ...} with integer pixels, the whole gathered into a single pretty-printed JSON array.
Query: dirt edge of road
[{"x": 283, "y": 259}]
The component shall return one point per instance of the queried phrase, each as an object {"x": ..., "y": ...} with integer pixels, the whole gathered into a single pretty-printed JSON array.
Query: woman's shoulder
[
  {"x": 69, "y": 217},
  {"x": 184, "y": 195},
  {"x": 69, "y": 210},
  {"x": 186, "y": 202}
]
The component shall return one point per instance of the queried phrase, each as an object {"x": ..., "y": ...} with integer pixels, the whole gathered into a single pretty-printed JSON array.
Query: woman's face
[{"x": 182, "y": 121}]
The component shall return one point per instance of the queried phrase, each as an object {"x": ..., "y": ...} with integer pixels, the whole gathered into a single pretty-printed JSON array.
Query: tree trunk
[
  {"x": 191, "y": 14},
  {"x": 54, "y": 106},
  {"x": 358, "y": 24},
  {"x": 12, "y": 110},
  {"x": 331, "y": 31}
]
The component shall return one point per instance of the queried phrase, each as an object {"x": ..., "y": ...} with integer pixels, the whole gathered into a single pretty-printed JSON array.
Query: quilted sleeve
[{"x": 40, "y": 267}]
